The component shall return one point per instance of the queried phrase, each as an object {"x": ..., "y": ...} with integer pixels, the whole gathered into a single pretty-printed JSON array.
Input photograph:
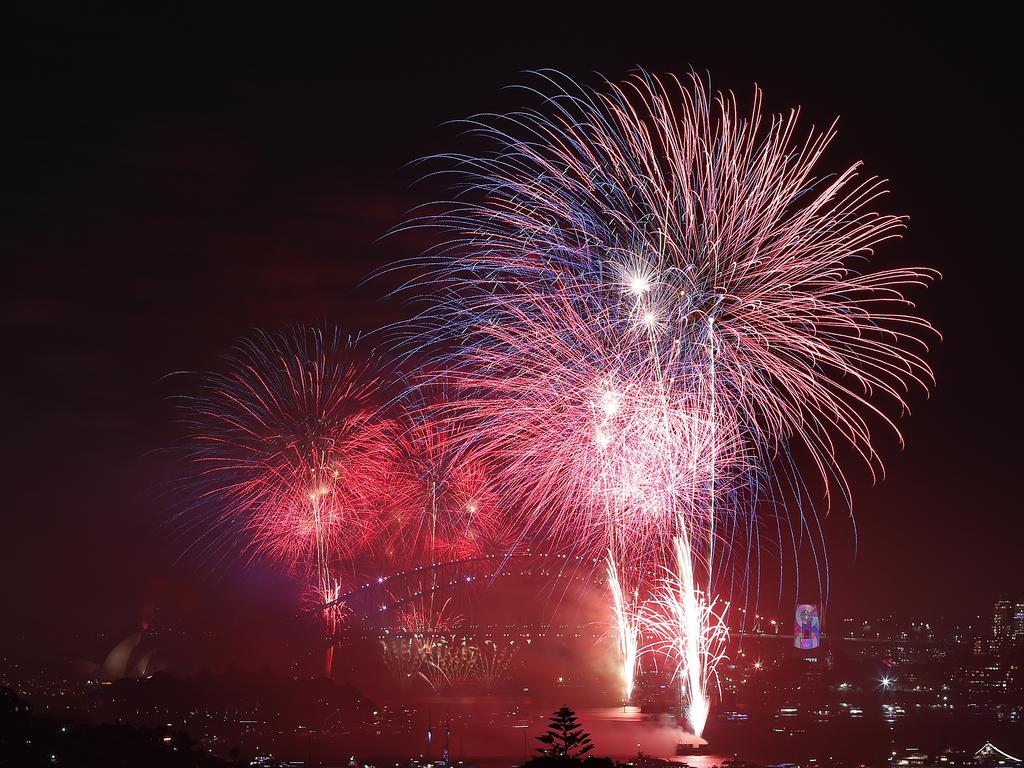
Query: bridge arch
[{"x": 378, "y": 597}]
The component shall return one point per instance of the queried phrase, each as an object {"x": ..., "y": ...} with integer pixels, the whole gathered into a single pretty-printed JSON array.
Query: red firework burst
[{"x": 291, "y": 449}]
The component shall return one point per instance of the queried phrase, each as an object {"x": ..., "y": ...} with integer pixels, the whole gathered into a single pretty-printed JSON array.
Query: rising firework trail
[
  {"x": 691, "y": 632},
  {"x": 291, "y": 455},
  {"x": 625, "y": 617},
  {"x": 656, "y": 313}
]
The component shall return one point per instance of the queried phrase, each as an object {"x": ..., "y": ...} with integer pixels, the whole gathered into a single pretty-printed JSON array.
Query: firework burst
[
  {"x": 655, "y": 312},
  {"x": 290, "y": 452},
  {"x": 442, "y": 505}
]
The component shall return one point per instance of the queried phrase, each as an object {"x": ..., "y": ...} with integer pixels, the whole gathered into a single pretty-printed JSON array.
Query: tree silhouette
[{"x": 565, "y": 738}]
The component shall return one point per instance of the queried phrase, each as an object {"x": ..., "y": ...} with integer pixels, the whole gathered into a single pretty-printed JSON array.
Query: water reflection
[{"x": 502, "y": 730}]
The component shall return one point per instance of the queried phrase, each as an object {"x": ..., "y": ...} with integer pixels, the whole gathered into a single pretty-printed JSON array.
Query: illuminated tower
[
  {"x": 1002, "y": 621},
  {"x": 807, "y": 628}
]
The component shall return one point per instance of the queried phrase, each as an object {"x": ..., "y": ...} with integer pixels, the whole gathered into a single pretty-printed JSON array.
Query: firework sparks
[
  {"x": 657, "y": 309},
  {"x": 494, "y": 663},
  {"x": 626, "y": 619},
  {"x": 403, "y": 657},
  {"x": 442, "y": 505},
  {"x": 449, "y": 664},
  {"x": 291, "y": 451},
  {"x": 691, "y": 631},
  {"x": 652, "y": 314}
]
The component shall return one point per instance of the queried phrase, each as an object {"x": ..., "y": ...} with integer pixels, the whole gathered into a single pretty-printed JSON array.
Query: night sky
[{"x": 176, "y": 181}]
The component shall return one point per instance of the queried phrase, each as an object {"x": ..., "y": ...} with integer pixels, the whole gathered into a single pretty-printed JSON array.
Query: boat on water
[{"x": 684, "y": 748}]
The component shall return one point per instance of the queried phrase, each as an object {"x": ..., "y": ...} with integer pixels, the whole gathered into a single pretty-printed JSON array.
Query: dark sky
[{"x": 175, "y": 180}]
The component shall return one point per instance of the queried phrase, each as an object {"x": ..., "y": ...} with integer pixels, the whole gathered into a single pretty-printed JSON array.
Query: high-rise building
[
  {"x": 1002, "y": 621},
  {"x": 1017, "y": 629}
]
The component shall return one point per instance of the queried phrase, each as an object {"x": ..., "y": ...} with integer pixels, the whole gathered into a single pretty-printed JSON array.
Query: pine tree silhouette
[{"x": 565, "y": 737}]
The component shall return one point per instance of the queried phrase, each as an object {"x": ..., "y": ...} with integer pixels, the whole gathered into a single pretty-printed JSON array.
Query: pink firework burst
[{"x": 657, "y": 313}]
